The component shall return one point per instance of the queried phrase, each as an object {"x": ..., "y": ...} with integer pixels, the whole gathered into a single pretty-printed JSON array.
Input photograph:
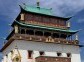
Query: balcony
[
  {"x": 36, "y": 38},
  {"x": 43, "y": 39},
  {"x": 52, "y": 59}
]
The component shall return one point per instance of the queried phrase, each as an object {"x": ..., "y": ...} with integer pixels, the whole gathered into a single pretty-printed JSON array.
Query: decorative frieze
[{"x": 46, "y": 24}]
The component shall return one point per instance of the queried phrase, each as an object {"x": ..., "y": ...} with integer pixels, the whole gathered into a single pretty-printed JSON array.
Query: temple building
[{"x": 39, "y": 36}]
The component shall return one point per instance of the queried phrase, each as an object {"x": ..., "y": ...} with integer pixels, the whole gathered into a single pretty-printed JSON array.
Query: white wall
[{"x": 49, "y": 48}]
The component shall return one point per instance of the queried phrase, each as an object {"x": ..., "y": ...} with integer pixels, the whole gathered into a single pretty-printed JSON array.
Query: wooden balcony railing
[
  {"x": 47, "y": 24},
  {"x": 43, "y": 39},
  {"x": 52, "y": 59}
]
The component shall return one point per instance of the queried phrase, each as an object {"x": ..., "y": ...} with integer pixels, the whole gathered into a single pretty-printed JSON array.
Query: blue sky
[{"x": 10, "y": 9}]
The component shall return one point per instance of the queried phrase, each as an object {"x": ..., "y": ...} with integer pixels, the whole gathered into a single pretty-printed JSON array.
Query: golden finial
[
  {"x": 38, "y": 3},
  {"x": 24, "y": 4}
]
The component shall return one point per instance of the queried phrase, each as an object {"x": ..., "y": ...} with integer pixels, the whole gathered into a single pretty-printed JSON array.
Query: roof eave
[{"x": 23, "y": 24}]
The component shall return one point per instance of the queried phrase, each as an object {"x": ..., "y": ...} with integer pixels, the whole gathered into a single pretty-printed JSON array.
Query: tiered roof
[{"x": 46, "y": 27}]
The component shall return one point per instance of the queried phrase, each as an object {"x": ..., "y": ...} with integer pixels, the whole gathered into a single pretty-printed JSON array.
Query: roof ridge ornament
[
  {"x": 24, "y": 5},
  {"x": 38, "y": 4}
]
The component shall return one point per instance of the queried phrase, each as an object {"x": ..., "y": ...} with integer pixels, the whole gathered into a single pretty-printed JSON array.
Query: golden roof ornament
[{"x": 38, "y": 4}]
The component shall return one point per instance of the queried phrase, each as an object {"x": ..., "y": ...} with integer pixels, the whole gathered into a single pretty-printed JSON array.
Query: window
[
  {"x": 41, "y": 53},
  {"x": 47, "y": 34},
  {"x": 58, "y": 54},
  {"x": 30, "y": 54},
  {"x": 22, "y": 31},
  {"x": 39, "y": 33},
  {"x": 6, "y": 55},
  {"x": 68, "y": 54},
  {"x": 30, "y": 32},
  {"x": 55, "y": 35}
]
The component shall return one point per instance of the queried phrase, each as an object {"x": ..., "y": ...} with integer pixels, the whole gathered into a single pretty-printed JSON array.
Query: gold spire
[{"x": 38, "y": 3}]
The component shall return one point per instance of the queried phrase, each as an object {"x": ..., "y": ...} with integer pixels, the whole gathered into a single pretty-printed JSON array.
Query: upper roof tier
[
  {"x": 42, "y": 11},
  {"x": 37, "y": 9}
]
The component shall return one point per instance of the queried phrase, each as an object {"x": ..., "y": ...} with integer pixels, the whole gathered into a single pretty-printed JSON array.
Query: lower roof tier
[{"x": 46, "y": 27}]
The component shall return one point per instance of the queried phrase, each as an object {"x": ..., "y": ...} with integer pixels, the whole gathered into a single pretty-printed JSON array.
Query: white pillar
[
  {"x": 22, "y": 17},
  {"x": 68, "y": 24},
  {"x": 16, "y": 28}
]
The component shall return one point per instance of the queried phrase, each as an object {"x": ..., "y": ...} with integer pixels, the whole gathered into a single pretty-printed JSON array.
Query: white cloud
[{"x": 66, "y": 7}]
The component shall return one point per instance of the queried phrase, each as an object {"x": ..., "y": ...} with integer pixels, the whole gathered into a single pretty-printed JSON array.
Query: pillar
[
  {"x": 22, "y": 17},
  {"x": 16, "y": 28}
]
